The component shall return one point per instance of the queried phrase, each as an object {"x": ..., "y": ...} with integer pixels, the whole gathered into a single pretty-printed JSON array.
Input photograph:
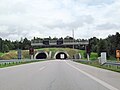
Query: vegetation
[
  {"x": 7, "y": 45},
  {"x": 1, "y": 54},
  {"x": 93, "y": 56},
  {"x": 13, "y": 55},
  {"x": 25, "y": 53},
  {"x": 109, "y": 45},
  {"x": 3, "y": 65},
  {"x": 96, "y": 64},
  {"x": 70, "y": 51}
]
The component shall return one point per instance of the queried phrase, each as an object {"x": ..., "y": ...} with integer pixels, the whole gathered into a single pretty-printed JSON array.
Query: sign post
[
  {"x": 118, "y": 55},
  {"x": 31, "y": 53},
  {"x": 88, "y": 52}
]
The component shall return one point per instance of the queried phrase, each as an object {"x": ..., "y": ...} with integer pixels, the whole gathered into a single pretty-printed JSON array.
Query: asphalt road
[{"x": 58, "y": 75}]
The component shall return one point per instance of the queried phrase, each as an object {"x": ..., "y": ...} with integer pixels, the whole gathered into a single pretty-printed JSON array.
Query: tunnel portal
[
  {"x": 41, "y": 55},
  {"x": 61, "y": 55}
]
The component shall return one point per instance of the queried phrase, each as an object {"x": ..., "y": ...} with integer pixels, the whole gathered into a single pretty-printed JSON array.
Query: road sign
[
  {"x": 118, "y": 53},
  {"x": 103, "y": 58},
  {"x": 19, "y": 54},
  {"x": 31, "y": 51},
  {"x": 88, "y": 49},
  {"x": 59, "y": 42},
  {"x": 46, "y": 42}
]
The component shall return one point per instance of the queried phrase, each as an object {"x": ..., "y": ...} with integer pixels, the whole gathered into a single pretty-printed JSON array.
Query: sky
[{"x": 57, "y": 18}]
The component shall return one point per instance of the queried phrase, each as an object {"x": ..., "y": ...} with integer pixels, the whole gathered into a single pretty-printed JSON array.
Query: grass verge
[
  {"x": 8, "y": 64},
  {"x": 96, "y": 64},
  {"x": 1, "y": 54}
]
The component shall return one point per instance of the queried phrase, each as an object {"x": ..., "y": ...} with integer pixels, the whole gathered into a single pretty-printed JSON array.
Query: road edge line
[{"x": 94, "y": 78}]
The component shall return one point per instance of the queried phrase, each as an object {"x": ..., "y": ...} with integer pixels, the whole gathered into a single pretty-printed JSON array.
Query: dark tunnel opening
[
  {"x": 61, "y": 55},
  {"x": 41, "y": 56}
]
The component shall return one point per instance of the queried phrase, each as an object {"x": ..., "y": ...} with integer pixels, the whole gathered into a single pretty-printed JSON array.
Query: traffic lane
[
  {"x": 110, "y": 77},
  {"x": 22, "y": 68},
  {"x": 56, "y": 75},
  {"x": 71, "y": 79},
  {"x": 10, "y": 77},
  {"x": 59, "y": 76}
]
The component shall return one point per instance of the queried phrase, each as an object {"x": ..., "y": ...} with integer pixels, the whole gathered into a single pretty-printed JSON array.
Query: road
[{"x": 58, "y": 75}]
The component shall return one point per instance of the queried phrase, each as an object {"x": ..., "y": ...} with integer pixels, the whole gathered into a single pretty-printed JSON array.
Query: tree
[
  {"x": 0, "y": 44},
  {"x": 6, "y": 48},
  {"x": 68, "y": 38},
  {"x": 102, "y": 46},
  {"x": 50, "y": 38},
  {"x": 55, "y": 38},
  {"x": 117, "y": 40},
  {"x": 93, "y": 44},
  {"x": 25, "y": 44}
]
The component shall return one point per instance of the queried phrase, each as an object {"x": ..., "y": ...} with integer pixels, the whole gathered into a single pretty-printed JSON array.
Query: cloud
[
  {"x": 43, "y": 18},
  {"x": 108, "y": 26}
]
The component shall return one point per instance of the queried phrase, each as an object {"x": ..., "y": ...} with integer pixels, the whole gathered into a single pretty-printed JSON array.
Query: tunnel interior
[
  {"x": 41, "y": 56},
  {"x": 61, "y": 55}
]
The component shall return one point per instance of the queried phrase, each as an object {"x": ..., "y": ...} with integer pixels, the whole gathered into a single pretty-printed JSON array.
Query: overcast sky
[{"x": 43, "y": 18}]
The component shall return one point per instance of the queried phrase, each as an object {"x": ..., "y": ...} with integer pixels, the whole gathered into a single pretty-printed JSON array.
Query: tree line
[
  {"x": 109, "y": 44},
  {"x": 7, "y": 45}
]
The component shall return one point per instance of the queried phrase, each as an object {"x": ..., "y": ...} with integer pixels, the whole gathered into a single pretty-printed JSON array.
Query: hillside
[{"x": 25, "y": 53}]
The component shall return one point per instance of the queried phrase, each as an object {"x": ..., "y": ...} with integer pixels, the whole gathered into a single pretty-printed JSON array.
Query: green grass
[
  {"x": 13, "y": 55},
  {"x": 18, "y": 63},
  {"x": 25, "y": 53},
  {"x": 112, "y": 58},
  {"x": 1, "y": 54},
  {"x": 93, "y": 56},
  {"x": 70, "y": 51},
  {"x": 82, "y": 52},
  {"x": 107, "y": 67}
]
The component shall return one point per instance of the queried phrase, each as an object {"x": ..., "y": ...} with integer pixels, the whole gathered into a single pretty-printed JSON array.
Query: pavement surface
[{"x": 58, "y": 75}]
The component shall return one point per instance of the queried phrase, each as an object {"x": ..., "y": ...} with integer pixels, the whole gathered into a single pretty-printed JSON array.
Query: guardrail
[
  {"x": 112, "y": 63},
  {"x": 17, "y": 60},
  {"x": 114, "y": 66},
  {"x": 107, "y": 63}
]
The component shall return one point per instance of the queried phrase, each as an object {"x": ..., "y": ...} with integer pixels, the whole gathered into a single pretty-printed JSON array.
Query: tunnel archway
[
  {"x": 41, "y": 55},
  {"x": 58, "y": 56},
  {"x": 61, "y": 55}
]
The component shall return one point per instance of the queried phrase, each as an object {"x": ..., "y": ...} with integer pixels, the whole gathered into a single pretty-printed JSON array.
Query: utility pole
[{"x": 73, "y": 38}]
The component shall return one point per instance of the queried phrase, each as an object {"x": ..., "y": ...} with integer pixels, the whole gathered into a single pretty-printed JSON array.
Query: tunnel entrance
[
  {"x": 61, "y": 55},
  {"x": 41, "y": 55}
]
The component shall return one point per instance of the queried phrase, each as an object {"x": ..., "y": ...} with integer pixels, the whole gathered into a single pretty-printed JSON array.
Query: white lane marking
[
  {"x": 94, "y": 78},
  {"x": 41, "y": 68}
]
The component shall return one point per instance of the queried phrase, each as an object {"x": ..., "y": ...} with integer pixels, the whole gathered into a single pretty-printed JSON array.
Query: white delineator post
[
  {"x": 103, "y": 58},
  {"x": 88, "y": 57}
]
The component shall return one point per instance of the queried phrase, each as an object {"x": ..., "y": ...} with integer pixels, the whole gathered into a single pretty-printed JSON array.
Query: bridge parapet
[{"x": 57, "y": 42}]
